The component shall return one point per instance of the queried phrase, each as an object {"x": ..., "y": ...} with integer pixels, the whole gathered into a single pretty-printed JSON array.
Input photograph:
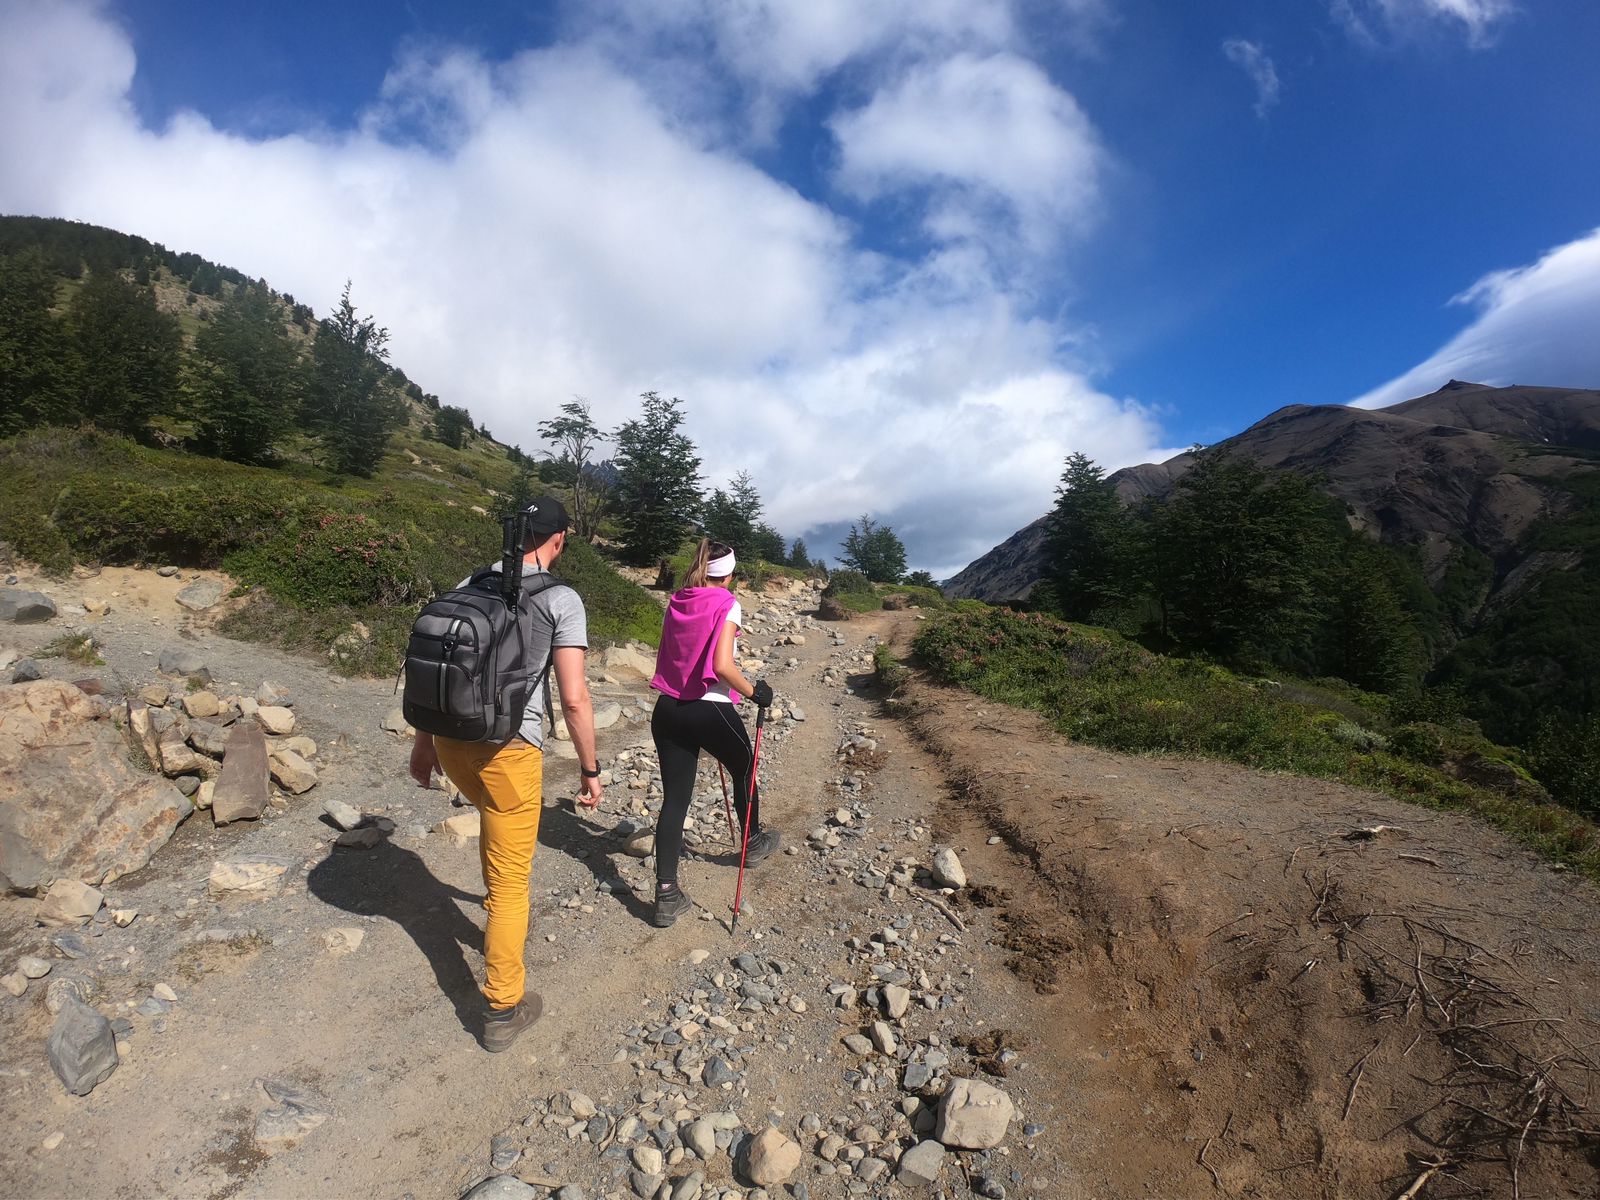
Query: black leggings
[{"x": 683, "y": 728}]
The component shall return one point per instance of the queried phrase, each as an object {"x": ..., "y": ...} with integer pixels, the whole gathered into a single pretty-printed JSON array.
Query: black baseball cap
[{"x": 546, "y": 515}]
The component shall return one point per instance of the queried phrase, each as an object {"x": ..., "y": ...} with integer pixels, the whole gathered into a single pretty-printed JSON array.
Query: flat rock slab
[
  {"x": 183, "y": 660},
  {"x": 19, "y": 607},
  {"x": 69, "y": 902},
  {"x": 249, "y": 874},
  {"x": 242, "y": 788},
  {"x": 200, "y": 595}
]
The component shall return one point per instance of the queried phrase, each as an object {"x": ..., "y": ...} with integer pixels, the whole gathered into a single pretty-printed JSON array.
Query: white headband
[{"x": 720, "y": 568}]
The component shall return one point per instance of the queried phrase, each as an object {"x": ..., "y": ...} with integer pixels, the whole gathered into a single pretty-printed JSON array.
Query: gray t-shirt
[{"x": 559, "y": 622}]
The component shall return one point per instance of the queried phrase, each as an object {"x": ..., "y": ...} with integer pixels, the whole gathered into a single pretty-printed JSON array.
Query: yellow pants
[{"x": 503, "y": 782}]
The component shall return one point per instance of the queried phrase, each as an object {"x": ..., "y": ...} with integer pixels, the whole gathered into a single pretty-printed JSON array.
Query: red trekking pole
[{"x": 744, "y": 844}]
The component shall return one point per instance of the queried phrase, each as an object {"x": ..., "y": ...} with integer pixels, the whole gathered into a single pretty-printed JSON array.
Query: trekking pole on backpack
[
  {"x": 511, "y": 537},
  {"x": 744, "y": 845}
]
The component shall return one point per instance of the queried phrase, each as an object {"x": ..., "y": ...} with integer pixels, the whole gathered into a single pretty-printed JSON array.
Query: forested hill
[
  {"x": 167, "y": 346},
  {"x": 1486, "y": 499}
]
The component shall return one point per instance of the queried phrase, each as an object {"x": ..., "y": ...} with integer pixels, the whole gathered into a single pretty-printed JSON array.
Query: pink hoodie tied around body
[{"x": 689, "y": 633}]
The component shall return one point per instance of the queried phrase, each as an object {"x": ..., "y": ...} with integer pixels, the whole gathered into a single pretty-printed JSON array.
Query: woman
[{"x": 700, "y": 681}]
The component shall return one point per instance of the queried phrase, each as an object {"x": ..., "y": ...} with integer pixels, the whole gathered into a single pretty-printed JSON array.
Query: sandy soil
[{"x": 1161, "y": 1035}]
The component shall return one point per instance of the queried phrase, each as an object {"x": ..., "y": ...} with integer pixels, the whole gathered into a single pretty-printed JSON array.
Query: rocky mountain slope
[{"x": 1467, "y": 465}]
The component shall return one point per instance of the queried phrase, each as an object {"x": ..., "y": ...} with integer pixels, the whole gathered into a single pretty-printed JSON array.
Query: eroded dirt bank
[{"x": 1307, "y": 989}]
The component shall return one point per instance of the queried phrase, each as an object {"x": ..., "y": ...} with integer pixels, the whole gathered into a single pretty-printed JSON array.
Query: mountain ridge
[{"x": 1467, "y": 464}]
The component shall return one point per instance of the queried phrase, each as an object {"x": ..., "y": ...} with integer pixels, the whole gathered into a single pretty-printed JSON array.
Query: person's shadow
[
  {"x": 392, "y": 882},
  {"x": 563, "y": 830}
]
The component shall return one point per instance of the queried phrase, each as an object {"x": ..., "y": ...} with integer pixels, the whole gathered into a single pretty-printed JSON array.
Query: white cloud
[
  {"x": 1370, "y": 21},
  {"x": 980, "y": 138},
  {"x": 1538, "y": 324},
  {"x": 1256, "y": 63},
  {"x": 550, "y": 226}
]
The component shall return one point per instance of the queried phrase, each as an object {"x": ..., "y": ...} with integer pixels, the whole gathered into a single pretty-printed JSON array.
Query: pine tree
[
  {"x": 1235, "y": 557},
  {"x": 874, "y": 550},
  {"x": 451, "y": 426},
  {"x": 126, "y": 355},
  {"x": 658, "y": 480},
  {"x": 243, "y": 378},
  {"x": 346, "y": 401},
  {"x": 34, "y": 360},
  {"x": 798, "y": 555},
  {"x": 1086, "y": 544}
]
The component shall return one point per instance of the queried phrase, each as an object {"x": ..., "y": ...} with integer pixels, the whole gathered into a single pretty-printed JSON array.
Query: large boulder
[
  {"x": 770, "y": 1158},
  {"x": 71, "y": 805},
  {"x": 201, "y": 594},
  {"x": 19, "y": 607},
  {"x": 830, "y": 609}
]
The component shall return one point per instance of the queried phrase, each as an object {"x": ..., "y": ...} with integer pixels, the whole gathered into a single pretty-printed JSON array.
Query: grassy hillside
[
  {"x": 322, "y": 555},
  {"x": 1098, "y": 687}
]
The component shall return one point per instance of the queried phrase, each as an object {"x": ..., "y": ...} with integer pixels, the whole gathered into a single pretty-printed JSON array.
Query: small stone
[
  {"x": 19, "y": 607},
  {"x": 648, "y": 1159},
  {"x": 717, "y": 1072},
  {"x": 580, "y": 1105},
  {"x": 184, "y": 660},
  {"x": 82, "y": 1049},
  {"x": 123, "y": 917},
  {"x": 275, "y": 719},
  {"x": 947, "y": 869},
  {"x": 271, "y": 694},
  {"x": 920, "y": 1165},
  {"x": 345, "y": 816},
  {"x": 291, "y": 772},
  {"x": 883, "y": 1038},
  {"x": 690, "y": 1186},
  {"x": 16, "y": 983},
  {"x": 466, "y": 824},
  {"x": 896, "y": 1000},
  {"x": 64, "y": 988},
  {"x": 503, "y": 1153},
  {"x": 770, "y": 1158},
  {"x": 509, "y": 1187},
  {"x": 364, "y": 838},
  {"x": 202, "y": 704},
  {"x": 641, "y": 844},
  {"x": 69, "y": 902},
  {"x": 701, "y": 1137},
  {"x": 394, "y": 721},
  {"x": 52, "y": 1141},
  {"x": 696, "y": 957},
  {"x": 973, "y": 1115},
  {"x": 344, "y": 939},
  {"x": 26, "y": 670},
  {"x": 33, "y": 967},
  {"x": 917, "y": 1076},
  {"x": 857, "y": 1044}
]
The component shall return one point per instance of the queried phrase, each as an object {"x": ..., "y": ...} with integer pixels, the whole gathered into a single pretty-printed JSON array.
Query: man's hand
[
  {"x": 762, "y": 694},
  {"x": 589, "y": 792},
  {"x": 424, "y": 759}
]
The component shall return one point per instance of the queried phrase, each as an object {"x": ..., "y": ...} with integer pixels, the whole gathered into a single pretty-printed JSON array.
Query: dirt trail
[{"x": 1148, "y": 1055}]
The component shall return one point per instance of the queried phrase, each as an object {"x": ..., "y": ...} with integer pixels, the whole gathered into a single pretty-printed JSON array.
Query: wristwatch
[{"x": 588, "y": 774}]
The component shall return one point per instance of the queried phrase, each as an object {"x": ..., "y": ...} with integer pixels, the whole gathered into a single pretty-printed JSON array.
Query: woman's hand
[{"x": 762, "y": 694}]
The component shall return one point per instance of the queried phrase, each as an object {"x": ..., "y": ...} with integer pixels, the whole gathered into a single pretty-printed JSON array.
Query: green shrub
[
  {"x": 848, "y": 583},
  {"x": 330, "y": 558}
]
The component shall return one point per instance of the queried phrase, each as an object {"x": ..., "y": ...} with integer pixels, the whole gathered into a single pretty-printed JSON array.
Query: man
[{"x": 503, "y": 781}]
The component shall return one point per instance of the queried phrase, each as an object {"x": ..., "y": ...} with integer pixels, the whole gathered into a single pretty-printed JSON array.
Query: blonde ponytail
[{"x": 707, "y": 550}]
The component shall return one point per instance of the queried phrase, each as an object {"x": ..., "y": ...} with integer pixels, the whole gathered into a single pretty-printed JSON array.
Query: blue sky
[{"x": 897, "y": 258}]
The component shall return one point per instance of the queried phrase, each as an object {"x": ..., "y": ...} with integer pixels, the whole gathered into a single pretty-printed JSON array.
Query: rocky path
[{"x": 857, "y": 1036}]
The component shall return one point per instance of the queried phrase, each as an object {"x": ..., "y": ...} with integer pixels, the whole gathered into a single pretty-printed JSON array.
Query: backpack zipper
[{"x": 451, "y": 641}]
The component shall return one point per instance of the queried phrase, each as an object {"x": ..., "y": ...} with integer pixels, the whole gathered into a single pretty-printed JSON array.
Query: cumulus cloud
[
  {"x": 1257, "y": 64},
  {"x": 550, "y": 225},
  {"x": 1535, "y": 325},
  {"x": 977, "y": 138},
  {"x": 1374, "y": 21}
]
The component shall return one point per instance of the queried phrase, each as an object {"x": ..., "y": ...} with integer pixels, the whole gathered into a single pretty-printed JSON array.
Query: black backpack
[{"x": 467, "y": 674}]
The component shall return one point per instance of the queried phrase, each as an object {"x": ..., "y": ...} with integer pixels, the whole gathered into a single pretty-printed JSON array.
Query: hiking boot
[
  {"x": 669, "y": 907},
  {"x": 762, "y": 845},
  {"x": 502, "y": 1025}
]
